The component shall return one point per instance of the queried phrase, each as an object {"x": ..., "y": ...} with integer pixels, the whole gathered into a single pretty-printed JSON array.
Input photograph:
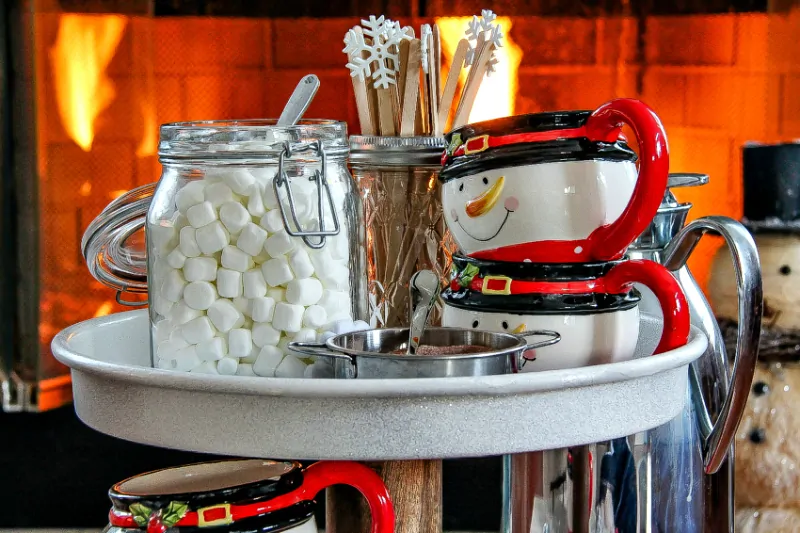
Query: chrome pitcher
[{"x": 677, "y": 477}]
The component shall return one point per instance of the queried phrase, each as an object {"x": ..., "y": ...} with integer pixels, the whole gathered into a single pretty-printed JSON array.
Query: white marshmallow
[
  {"x": 240, "y": 180},
  {"x": 265, "y": 335},
  {"x": 315, "y": 317},
  {"x": 341, "y": 327},
  {"x": 279, "y": 243},
  {"x": 263, "y": 308},
  {"x": 272, "y": 221},
  {"x": 201, "y": 214},
  {"x": 251, "y": 239},
  {"x": 288, "y": 317},
  {"x": 290, "y": 367},
  {"x": 301, "y": 263},
  {"x": 176, "y": 259},
  {"x": 186, "y": 359},
  {"x": 176, "y": 336},
  {"x": 212, "y": 238},
  {"x": 218, "y": 194},
  {"x": 305, "y": 335},
  {"x": 227, "y": 366},
  {"x": 303, "y": 291},
  {"x": 189, "y": 195},
  {"x": 339, "y": 247},
  {"x": 277, "y": 293},
  {"x": 283, "y": 345},
  {"x": 162, "y": 236},
  {"x": 234, "y": 216},
  {"x": 277, "y": 272},
  {"x": 206, "y": 367},
  {"x": 199, "y": 295},
  {"x": 270, "y": 200},
  {"x": 235, "y": 259},
  {"x": 200, "y": 269},
  {"x": 255, "y": 204},
  {"x": 173, "y": 285},
  {"x": 261, "y": 257},
  {"x": 212, "y": 350},
  {"x": 243, "y": 305},
  {"x": 336, "y": 303},
  {"x": 245, "y": 369},
  {"x": 162, "y": 330},
  {"x": 320, "y": 259},
  {"x": 240, "y": 342},
  {"x": 161, "y": 305},
  {"x": 188, "y": 242},
  {"x": 254, "y": 284},
  {"x": 360, "y": 325},
  {"x": 182, "y": 312},
  {"x": 229, "y": 283},
  {"x": 325, "y": 336},
  {"x": 166, "y": 364},
  {"x": 224, "y": 315},
  {"x": 268, "y": 361},
  {"x": 251, "y": 358},
  {"x": 335, "y": 276},
  {"x": 168, "y": 348},
  {"x": 198, "y": 330}
]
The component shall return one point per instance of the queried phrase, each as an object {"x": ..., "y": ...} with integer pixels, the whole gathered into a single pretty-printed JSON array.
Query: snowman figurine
[{"x": 767, "y": 448}]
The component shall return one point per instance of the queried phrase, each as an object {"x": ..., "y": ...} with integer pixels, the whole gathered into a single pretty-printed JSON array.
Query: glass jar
[
  {"x": 398, "y": 181},
  {"x": 254, "y": 238}
]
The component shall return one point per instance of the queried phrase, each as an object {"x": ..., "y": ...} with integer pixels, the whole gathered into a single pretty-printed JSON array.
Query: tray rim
[{"x": 490, "y": 386}]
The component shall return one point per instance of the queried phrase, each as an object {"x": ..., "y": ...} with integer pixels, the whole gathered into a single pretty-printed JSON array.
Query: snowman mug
[
  {"x": 593, "y": 306},
  {"x": 554, "y": 187},
  {"x": 240, "y": 496}
]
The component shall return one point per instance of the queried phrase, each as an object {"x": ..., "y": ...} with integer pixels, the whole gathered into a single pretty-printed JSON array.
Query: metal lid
[
  {"x": 671, "y": 216},
  {"x": 373, "y": 149},
  {"x": 114, "y": 246}
]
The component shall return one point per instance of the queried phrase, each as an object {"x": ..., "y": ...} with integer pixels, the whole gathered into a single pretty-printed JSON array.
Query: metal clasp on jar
[{"x": 323, "y": 189}]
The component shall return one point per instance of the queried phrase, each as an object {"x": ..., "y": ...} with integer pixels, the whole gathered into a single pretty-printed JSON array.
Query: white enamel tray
[{"x": 117, "y": 392}]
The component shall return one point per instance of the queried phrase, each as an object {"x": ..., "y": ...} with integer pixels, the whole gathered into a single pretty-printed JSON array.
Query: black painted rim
[
  {"x": 536, "y": 271},
  {"x": 531, "y": 122}
]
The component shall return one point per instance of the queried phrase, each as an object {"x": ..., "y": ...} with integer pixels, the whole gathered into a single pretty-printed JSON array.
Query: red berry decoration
[
  {"x": 155, "y": 525},
  {"x": 454, "y": 285}
]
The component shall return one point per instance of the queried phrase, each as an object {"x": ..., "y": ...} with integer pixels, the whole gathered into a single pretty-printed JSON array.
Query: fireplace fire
[{"x": 93, "y": 80}]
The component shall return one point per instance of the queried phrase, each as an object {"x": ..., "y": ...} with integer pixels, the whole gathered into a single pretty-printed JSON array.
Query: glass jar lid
[{"x": 399, "y": 151}]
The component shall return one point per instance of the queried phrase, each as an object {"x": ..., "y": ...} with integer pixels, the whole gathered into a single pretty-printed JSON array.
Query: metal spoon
[
  {"x": 423, "y": 289},
  {"x": 299, "y": 101}
]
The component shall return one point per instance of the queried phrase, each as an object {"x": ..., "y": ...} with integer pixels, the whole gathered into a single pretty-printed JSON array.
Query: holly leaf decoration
[
  {"x": 466, "y": 275},
  {"x": 140, "y": 513},
  {"x": 173, "y": 513},
  {"x": 455, "y": 142}
]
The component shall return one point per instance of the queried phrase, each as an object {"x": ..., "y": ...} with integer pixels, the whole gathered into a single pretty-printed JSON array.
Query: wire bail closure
[{"x": 282, "y": 180}]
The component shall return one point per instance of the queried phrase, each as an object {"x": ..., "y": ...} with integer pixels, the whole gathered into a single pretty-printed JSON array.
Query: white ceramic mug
[
  {"x": 554, "y": 187},
  {"x": 592, "y": 306}
]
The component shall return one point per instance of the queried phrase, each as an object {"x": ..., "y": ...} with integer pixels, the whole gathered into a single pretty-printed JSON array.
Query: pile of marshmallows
[{"x": 233, "y": 288}]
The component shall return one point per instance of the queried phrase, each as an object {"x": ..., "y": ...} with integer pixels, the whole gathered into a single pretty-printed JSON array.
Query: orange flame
[
  {"x": 499, "y": 91},
  {"x": 104, "y": 309},
  {"x": 83, "y": 49}
]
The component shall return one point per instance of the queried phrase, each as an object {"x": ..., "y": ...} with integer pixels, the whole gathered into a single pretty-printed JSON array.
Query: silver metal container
[{"x": 368, "y": 354}]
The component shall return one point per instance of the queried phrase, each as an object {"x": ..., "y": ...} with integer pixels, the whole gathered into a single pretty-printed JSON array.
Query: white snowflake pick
[
  {"x": 426, "y": 34},
  {"x": 378, "y": 58},
  {"x": 493, "y": 33}
]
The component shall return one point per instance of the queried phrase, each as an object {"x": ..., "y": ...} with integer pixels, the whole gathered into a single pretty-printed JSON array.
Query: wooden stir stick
[
  {"x": 410, "y": 85},
  {"x": 450, "y": 86},
  {"x": 483, "y": 53}
]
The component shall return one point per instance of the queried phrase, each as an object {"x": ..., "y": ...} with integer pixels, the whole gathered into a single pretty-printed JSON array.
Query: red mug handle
[
  {"x": 610, "y": 242},
  {"x": 324, "y": 474},
  {"x": 666, "y": 288}
]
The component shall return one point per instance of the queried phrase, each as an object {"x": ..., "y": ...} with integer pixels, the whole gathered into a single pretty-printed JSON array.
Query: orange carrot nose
[
  {"x": 520, "y": 328},
  {"x": 480, "y": 205}
]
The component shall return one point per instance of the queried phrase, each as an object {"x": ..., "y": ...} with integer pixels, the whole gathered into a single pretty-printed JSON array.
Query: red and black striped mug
[
  {"x": 554, "y": 187},
  {"x": 240, "y": 495}
]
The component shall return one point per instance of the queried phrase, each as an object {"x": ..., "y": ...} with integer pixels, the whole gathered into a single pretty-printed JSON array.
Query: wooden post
[{"x": 416, "y": 491}]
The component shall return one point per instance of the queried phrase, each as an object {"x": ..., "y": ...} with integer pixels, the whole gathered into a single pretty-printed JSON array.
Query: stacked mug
[{"x": 543, "y": 208}]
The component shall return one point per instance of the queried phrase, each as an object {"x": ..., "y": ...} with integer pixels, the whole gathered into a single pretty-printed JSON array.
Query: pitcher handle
[
  {"x": 747, "y": 268},
  {"x": 666, "y": 288},
  {"x": 610, "y": 241},
  {"x": 324, "y": 474}
]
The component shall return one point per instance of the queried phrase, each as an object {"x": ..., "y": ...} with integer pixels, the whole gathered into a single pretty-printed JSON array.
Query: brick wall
[{"x": 716, "y": 81}]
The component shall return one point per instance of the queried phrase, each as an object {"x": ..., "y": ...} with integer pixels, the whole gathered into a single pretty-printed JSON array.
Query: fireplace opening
[{"x": 91, "y": 80}]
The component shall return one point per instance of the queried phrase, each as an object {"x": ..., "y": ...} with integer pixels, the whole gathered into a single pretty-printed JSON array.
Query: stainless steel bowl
[{"x": 368, "y": 354}]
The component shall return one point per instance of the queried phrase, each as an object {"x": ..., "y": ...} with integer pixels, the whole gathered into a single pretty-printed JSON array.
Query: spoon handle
[
  {"x": 299, "y": 101},
  {"x": 423, "y": 289}
]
